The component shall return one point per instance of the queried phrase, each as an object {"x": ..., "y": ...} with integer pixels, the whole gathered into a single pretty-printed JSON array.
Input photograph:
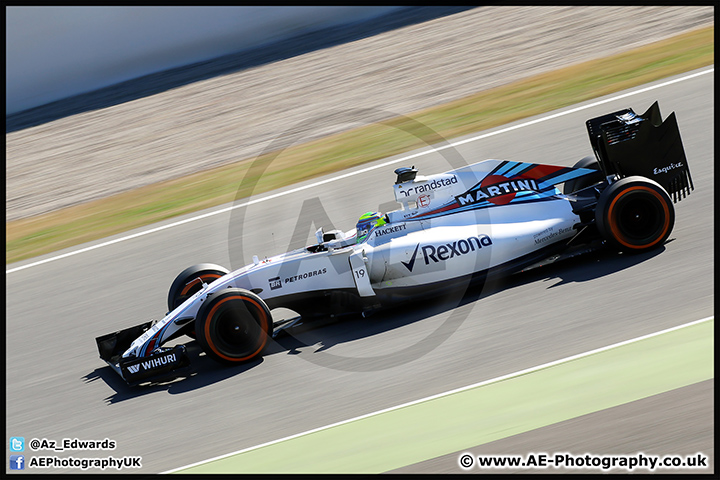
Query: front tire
[
  {"x": 589, "y": 162},
  {"x": 635, "y": 214},
  {"x": 233, "y": 326},
  {"x": 188, "y": 282}
]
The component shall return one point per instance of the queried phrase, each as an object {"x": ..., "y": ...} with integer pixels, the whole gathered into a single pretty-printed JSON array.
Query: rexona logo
[
  {"x": 442, "y": 253},
  {"x": 498, "y": 190}
]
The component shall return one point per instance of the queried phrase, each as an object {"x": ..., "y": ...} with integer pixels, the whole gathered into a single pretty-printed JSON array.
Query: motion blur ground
[
  {"x": 684, "y": 414},
  {"x": 537, "y": 319},
  {"x": 497, "y": 409}
]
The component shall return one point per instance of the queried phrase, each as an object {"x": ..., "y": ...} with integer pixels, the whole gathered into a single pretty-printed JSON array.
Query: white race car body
[
  {"x": 434, "y": 238},
  {"x": 453, "y": 228},
  {"x": 417, "y": 251}
]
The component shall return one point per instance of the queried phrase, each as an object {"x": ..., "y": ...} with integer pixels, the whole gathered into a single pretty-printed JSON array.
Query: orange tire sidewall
[
  {"x": 263, "y": 326},
  {"x": 612, "y": 222},
  {"x": 204, "y": 277}
]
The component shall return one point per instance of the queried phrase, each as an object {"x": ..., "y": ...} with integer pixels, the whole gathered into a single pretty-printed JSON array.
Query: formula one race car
[{"x": 453, "y": 229}]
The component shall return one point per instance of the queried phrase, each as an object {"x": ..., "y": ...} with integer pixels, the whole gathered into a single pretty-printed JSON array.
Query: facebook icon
[{"x": 17, "y": 462}]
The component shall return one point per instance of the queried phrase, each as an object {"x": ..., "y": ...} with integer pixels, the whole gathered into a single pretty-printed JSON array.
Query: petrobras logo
[
  {"x": 429, "y": 186},
  {"x": 303, "y": 276},
  {"x": 498, "y": 190},
  {"x": 443, "y": 253},
  {"x": 275, "y": 283}
]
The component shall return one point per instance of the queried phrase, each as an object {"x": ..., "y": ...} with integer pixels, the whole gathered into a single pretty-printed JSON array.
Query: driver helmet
[{"x": 367, "y": 223}]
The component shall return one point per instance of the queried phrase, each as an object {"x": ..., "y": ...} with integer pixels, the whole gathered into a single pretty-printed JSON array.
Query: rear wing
[{"x": 628, "y": 144}]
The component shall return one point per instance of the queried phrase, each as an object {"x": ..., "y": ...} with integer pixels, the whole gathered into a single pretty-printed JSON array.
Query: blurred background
[
  {"x": 94, "y": 47},
  {"x": 157, "y": 93}
]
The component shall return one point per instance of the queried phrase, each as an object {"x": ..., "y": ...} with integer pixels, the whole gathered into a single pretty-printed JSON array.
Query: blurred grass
[{"x": 64, "y": 228}]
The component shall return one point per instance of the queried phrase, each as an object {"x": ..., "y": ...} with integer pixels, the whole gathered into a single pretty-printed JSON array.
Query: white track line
[
  {"x": 357, "y": 172},
  {"x": 450, "y": 392}
]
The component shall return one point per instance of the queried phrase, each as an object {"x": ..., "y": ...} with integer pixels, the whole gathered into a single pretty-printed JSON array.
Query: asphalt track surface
[
  {"x": 57, "y": 387},
  {"x": 684, "y": 415}
]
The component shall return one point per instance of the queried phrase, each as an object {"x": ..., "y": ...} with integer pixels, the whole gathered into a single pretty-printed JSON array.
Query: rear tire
[
  {"x": 233, "y": 326},
  {"x": 590, "y": 162},
  {"x": 635, "y": 214},
  {"x": 182, "y": 288}
]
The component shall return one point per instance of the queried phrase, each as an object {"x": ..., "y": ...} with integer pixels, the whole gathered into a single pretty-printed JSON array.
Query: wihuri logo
[{"x": 152, "y": 363}]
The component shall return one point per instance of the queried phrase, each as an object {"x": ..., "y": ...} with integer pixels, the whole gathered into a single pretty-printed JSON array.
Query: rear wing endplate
[{"x": 628, "y": 144}]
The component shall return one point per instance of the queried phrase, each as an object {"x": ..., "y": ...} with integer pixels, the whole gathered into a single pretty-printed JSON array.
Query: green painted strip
[{"x": 480, "y": 415}]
